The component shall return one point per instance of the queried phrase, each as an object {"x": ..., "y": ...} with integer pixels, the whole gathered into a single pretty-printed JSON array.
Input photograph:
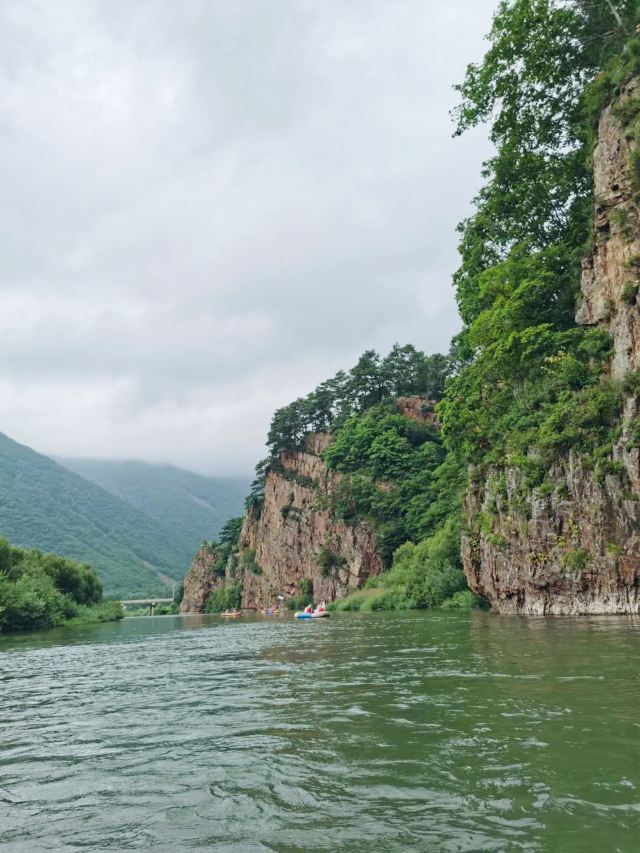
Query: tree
[
  {"x": 367, "y": 381},
  {"x": 529, "y": 88}
]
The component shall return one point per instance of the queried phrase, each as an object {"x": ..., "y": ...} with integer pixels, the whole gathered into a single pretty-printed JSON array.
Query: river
[{"x": 380, "y": 732}]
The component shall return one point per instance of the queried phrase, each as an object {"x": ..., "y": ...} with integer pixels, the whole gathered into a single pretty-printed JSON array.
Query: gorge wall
[
  {"x": 295, "y": 525},
  {"x": 281, "y": 545},
  {"x": 573, "y": 545}
]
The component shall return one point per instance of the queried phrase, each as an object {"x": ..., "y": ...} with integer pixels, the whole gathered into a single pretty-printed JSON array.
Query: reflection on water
[{"x": 424, "y": 731}]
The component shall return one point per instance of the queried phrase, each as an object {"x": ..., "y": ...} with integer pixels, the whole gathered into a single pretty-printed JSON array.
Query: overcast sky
[{"x": 209, "y": 206}]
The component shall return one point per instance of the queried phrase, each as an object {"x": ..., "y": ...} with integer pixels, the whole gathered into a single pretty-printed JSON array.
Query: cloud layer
[{"x": 210, "y": 207}]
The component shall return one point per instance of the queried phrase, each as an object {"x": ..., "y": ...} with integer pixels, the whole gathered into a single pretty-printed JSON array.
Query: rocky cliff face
[
  {"x": 611, "y": 274},
  {"x": 574, "y": 547},
  {"x": 295, "y": 526},
  {"x": 295, "y": 538},
  {"x": 200, "y": 581}
]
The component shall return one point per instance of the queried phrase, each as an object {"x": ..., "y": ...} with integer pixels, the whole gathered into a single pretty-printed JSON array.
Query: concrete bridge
[{"x": 151, "y": 603}]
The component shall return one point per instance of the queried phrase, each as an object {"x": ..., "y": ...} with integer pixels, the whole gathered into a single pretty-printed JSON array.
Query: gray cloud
[{"x": 211, "y": 206}]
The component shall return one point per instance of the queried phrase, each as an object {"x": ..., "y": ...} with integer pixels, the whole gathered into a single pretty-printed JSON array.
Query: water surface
[{"x": 380, "y": 732}]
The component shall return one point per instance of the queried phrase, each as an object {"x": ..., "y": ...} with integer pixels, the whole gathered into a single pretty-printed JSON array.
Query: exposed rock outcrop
[
  {"x": 611, "y": 273},
  {"x": 573, "y": 550},
  {"x": 573, "y": 545},
  {"x": 201, "y": 581},
  {"x": 296, "y": 525}
]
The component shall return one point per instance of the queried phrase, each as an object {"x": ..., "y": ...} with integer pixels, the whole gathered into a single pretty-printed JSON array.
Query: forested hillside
[
  {"x": 189, "y": 508},
  {"x": 45, "y": 506}
]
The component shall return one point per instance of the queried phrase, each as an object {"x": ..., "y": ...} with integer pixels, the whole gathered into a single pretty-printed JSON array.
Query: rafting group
[{"x": 311, "y": 612}]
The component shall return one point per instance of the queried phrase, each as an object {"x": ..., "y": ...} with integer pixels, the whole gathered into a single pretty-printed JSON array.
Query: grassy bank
[
  {"x": 379, "y": 597},
  {"x": 105, "y": 611}
]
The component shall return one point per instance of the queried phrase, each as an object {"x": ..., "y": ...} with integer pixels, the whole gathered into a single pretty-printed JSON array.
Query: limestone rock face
[
  {"x": 295, "y": 525},
  {"x": 573, "y": 546},
  {"x": 200, "y": 581},
  {"x": 571, "y": 551},
  {"x": 611, "y": 274}
]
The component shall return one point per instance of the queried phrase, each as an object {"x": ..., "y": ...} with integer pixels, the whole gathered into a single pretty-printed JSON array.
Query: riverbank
[{"x": 93, "y": 614}]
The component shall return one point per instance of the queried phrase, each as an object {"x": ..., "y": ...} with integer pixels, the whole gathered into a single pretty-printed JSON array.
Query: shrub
[
  {"x": 426, "y": 574},
  {"x": 576, "y": 560},
  {"x": 227, "y": 598},
  {"x": 40, "y": 590},
  {"x": 384, "y": 600},
  {"x": 464, "y": 599},
  {"x": 305, "y": 585},
  {"x": 329, "y": 561}
]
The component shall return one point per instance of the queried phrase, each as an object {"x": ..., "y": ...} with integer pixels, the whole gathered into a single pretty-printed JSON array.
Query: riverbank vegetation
[{"x": 40, "y": 590}]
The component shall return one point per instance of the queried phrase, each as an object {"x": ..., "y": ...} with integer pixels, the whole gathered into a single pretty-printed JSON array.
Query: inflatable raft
[{"x": 302, "y": 615}]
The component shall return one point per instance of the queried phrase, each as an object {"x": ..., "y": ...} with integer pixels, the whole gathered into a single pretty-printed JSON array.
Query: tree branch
[{"x": 614, "y": 12}]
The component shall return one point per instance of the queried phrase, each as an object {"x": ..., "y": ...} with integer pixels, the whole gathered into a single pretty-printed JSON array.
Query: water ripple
[{"x": 386, "y": 732}]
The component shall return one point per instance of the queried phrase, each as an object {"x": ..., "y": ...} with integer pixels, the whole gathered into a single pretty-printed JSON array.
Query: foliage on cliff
[
  {"x": 404, "y": 371},
  {"x": 526, "y": 376},
  {"x": 394, "y": 475},
  {"x": 43, "y": 590}
]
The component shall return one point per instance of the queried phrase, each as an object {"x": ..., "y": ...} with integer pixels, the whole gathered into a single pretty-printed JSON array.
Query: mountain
[
  {"x": 43, "y": 505},
  {"x": 190, "y": 508}
]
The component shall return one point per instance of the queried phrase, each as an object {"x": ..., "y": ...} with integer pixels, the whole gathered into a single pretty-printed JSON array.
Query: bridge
[{"x": 151, "y": 603}]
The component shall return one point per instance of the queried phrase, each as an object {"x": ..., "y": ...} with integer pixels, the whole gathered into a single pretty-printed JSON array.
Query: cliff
[
  {"x": 296, "y": 526},
  {"x": 573, "y": 545},
  {"x": 201, "y": 581},
  {"x": 294, "y": 538}
]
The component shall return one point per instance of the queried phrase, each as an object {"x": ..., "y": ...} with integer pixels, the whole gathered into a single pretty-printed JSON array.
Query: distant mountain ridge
[
  {"x": 188, "y": 506},
  {"x": 139, "y": 532},
  {"x": 44, "y": 505}
]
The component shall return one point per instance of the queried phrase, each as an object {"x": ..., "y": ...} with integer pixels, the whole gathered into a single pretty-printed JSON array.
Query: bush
[
  {"x": 299, "y": 602},
  {"x": 576, "y": 560},
  {"x": 105, "y": 611},
  {"x": 43, "y": 590},
  {"x": 383, "y": 600},
  {"x": 227, "y": 598},
  {"x": 464, "y": 599},
  {"x": 426, "y": 574},
  {"x": 329, "y": 561},
  {"x": 351, "y": 603}
]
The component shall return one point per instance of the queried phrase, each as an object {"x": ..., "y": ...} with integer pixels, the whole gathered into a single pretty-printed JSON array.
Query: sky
[{"x": 210, "y": 206}]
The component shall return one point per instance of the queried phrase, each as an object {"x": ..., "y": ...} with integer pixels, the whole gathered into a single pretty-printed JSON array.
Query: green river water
[{"x": 381, "y": 732}]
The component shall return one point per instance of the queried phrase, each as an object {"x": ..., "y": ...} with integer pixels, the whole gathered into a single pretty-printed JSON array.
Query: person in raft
[
  {"x": 308, "y": 608},
  {"x": 321, "y": 607}
]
